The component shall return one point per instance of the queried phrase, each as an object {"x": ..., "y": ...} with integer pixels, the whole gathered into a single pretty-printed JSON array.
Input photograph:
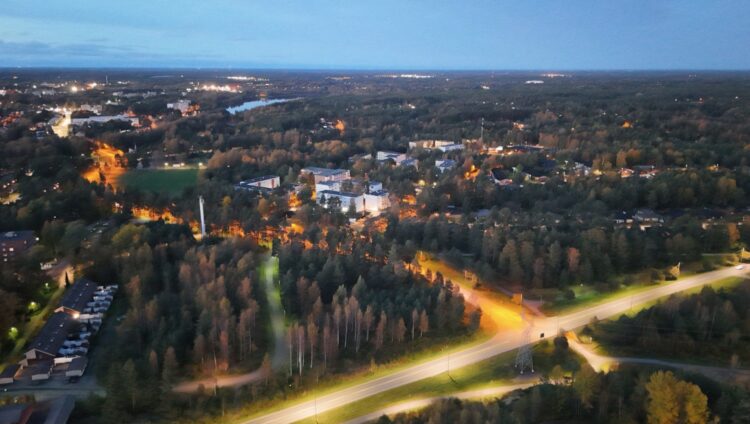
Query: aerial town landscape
[{"x": 450, "y": 243}]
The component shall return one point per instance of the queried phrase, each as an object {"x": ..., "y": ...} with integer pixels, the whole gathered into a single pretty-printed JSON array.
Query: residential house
[
  {"x": 445, "y": 165},
  {"x": 15, "y": 243}
]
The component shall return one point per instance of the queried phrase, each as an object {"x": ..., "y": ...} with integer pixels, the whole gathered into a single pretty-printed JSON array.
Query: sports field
[{"x": 168, "y": 181}]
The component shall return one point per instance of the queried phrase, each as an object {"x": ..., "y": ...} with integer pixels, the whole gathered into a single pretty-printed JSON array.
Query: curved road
[
  {"x": 501, "y": 343},
  {"x": 600, "y": 363}
]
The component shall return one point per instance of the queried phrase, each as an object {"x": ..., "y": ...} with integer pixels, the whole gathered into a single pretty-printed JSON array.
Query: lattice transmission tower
[{"x": 524, "y": 358}]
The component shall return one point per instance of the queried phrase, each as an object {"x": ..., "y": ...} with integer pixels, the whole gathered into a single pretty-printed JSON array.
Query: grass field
[{"x": 167, "y": 181}]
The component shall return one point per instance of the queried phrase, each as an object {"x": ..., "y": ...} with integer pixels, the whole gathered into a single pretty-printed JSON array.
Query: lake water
[{"x": 255, "y": 104}]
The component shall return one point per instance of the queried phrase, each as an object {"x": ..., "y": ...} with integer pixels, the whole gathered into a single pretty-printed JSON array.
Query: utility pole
[{"x": 316, "y": 408}]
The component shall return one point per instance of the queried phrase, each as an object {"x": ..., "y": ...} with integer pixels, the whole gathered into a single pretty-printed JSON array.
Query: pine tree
[
  {"x": 170, "y": 367},
  {"x": 424, "y": 323}
]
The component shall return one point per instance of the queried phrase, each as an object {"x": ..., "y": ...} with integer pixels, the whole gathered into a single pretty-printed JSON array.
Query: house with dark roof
[
  {"x": 51, "y": 337},
  {"x": 9, "y": 374},
  {"x": 647, "y": 216},
  {"x": 15, "y": 243},
  {"x": 77, "y": 296}
]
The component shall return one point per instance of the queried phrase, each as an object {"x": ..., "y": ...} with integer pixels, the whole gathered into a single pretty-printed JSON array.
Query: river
[{"x": 253, "y": 104}]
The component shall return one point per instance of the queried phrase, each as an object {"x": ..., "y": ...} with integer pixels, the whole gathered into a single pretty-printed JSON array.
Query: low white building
[
  {"x": 394, "y": 156},
  {"x": 97, "y": 109},
  {"x": 451, "y": 147},
  {"x": 432, "y": 144},
  {"x": 104, "y": 119},
  {"x": 182, "y": 105},
  {"x": 445, "y": 165}
]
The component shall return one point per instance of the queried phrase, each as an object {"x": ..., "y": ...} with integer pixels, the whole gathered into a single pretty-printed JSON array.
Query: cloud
[{"x": 90, "y": 53}]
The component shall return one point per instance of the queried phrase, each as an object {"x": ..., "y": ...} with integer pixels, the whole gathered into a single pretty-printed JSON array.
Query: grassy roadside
[
  {"x": 611, "y": 351},
  {"x": 494, "y": 372},
  {"x": 342, "y": 382},
  {"x": 586, "y": 296},
  {"x": 724, "y": 283}
]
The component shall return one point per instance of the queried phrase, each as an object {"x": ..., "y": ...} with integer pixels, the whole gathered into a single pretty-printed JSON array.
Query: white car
[{"x": 739, "y": 267}]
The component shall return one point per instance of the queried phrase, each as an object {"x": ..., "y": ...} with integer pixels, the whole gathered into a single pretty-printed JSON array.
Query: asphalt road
[{"x": 501, "y": 343}]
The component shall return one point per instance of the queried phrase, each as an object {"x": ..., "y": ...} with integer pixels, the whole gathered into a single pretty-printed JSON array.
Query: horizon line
[{"x": 364, "y": 70}]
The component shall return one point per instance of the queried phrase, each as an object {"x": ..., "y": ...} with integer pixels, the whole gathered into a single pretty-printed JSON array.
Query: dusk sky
[{"x": 363, "y": 34}]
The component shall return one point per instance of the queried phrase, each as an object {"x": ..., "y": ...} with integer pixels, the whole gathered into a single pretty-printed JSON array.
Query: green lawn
[
  {"x": 32, "y": 327},
  {"x": 167, "y": 181}
]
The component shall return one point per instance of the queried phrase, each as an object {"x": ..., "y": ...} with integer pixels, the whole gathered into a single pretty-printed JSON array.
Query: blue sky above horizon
[{"x": 384, "y": 34}]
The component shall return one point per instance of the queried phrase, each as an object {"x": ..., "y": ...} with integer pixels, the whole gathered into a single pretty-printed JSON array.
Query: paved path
[
  {"x": 503, "y": 342},
  {"x": 604, "y": 363},
  {"x": 412, "y": 405},
  {"x": 276, "y": 312},
  {"x": 268, "y": 273}
]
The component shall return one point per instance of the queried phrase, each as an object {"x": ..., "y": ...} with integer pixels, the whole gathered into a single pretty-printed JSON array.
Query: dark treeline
[{"x": 546, "y": 250}]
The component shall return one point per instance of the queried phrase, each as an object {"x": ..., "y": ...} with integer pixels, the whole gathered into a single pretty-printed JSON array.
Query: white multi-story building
[
  {"x": 268, "y": 182},
  {"x": 376, "y": 201},
  {"x": 345, "y": 200}
]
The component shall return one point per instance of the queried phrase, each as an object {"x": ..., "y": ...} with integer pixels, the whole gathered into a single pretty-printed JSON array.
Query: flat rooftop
[
  {"x": 323, "y": 171},
  {"x": 16, "y": 235}
]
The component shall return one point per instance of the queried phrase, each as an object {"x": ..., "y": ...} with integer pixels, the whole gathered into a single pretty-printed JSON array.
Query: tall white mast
[{"x": 203, "y": 219}]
